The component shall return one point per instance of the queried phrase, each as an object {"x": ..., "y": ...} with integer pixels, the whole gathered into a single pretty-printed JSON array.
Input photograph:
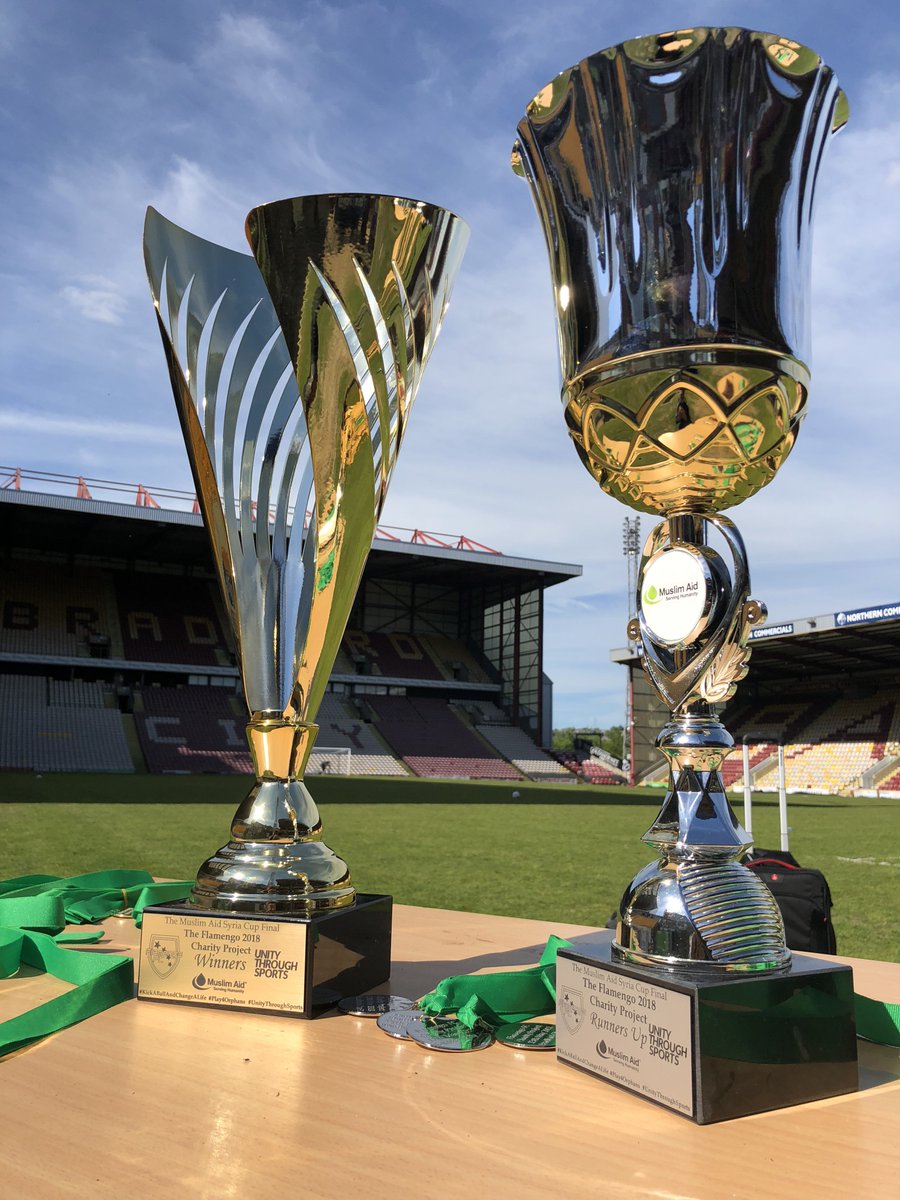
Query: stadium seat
[
  {"x": 457, "y": 767},
  {"x": 38, "y": 735},
  {"x": 58, "y": 613},
  {"x": 162, "y": 624},
  {"x": 390, "y": 656},
  {"x": 434, "y": 740},
  {"x": 835, "y": 745},
  {"x": 516, "y": 746},
  {"x": 192, "y": 730},
  {"x": 341, "y": 726}
]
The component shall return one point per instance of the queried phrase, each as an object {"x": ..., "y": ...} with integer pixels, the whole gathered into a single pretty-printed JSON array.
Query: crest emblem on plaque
[
  {"x": 571, "y": 1006},
  {"x": 164, "y": 955}
]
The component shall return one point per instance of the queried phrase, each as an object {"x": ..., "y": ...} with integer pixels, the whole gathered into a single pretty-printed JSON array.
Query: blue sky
[{"x": 207, "y": 109}]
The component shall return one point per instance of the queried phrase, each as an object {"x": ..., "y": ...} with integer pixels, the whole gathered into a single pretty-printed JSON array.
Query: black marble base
[
  {"x": 293, "y": 966},
  {"x": 712, "y": 1049}
]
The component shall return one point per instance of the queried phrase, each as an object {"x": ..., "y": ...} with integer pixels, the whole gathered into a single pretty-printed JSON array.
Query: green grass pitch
[{"x": 559, "y": 853}]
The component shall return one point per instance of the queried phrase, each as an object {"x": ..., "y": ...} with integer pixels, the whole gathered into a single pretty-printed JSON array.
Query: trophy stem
[
  {"x": 696, "y": 815},
  {"x": 276, "y": 860},
  {"x": 688, "y": 526},
  {"x": 698, "y": 908}
]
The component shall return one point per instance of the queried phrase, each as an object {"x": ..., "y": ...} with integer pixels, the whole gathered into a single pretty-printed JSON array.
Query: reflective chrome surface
[
  {"x": 448, "y": 1034},
  {"x": 697, "y": 906},
  {"x": 710, "y": 666},
  {"x": 375, "y": 1006},
  {"x": 674, "y": 179},
  {"x": 294, "y": 373}
]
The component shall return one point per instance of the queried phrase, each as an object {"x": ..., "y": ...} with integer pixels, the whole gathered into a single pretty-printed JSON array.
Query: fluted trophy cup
[
  {"x": 294, "y": 373},
  {"x": 674, "y": 179}
]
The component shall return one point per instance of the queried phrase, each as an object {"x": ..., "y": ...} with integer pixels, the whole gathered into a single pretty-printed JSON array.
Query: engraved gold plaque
[{"x": 291, "y": 965}]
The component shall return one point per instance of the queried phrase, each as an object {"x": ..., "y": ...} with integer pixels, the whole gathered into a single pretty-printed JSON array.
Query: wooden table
[{"x": 156, "y": 1100}]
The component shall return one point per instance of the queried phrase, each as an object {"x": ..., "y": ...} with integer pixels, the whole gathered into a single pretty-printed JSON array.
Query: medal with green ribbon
[{"x": 34, "y": 913}]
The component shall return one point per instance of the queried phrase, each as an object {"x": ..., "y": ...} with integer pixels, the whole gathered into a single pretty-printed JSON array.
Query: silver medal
[
  {"x": 395, "y": 1023},
  {"x": 373, "y": 1006},
  {"x": 528, "y": 1035},
  {"x": 446, "y": 1033}
]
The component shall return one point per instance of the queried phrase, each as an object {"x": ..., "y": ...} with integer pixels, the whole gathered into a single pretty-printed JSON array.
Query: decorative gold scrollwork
[{"x": 729, "y": 666}]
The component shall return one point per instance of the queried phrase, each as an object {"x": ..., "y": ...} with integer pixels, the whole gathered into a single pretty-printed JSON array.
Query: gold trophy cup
[
  {"x": 674, "y": 179},
  {"x": 294, "y": 373}
]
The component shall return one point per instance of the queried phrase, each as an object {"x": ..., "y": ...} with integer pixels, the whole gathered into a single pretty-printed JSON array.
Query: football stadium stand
[
  {"x": 115, "y": 653},
  {"x": 598, "y": 772},
  {"x": 399, "y": 656},
  {"x": 390, "y": 655},
  {"x": 733, "y": 767},
  {"x": 588, "y": 769},
  {"x": 343, "y": 726},
  {"x": 115, "y": 656},
  {"x": 38, "y": 733},
  {"x": 52, "y": 610},
  {"x": 517, "y": 746},
  {"x": 455, "y": 660},
  {"x": 834, "y": 751},
  {"x": 432, "y": 739},
  {"x": 191, "y": 730},
  {"x": 889, "y": 783},
  {"x": 825, "y": 688},
  {"x": 170, "y": 620}
]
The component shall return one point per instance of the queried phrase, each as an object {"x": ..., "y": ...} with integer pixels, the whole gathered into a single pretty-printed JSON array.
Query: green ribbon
[
  {"x": 93, "y": 897},
  {"x": 501, "y": 997},
  {"x": 34, "y": 911},
  {"x": 877, "y": 1020},
  {"x": 507, "y": 996}
]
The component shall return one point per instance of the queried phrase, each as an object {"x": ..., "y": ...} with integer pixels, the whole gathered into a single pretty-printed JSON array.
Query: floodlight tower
[{"x": 631, "y": 548}]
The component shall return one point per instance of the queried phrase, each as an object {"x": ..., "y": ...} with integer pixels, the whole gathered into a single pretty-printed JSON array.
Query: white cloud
[
  {"x": 97, "y": 299},
  {"x": 251, "y": 35},
  {"x": 258, "y": 62},
  {"x": 63, "y": 426},
  {"x": 196, "y": 198}
]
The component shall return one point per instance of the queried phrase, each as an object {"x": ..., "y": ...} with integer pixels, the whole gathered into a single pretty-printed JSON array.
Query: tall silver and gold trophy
[
  {"x": 294, "y": 372},
  {"x": 674, "y": 179}
]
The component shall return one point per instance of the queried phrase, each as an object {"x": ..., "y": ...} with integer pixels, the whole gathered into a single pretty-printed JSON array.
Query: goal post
[{"x": 329, "y": 760}]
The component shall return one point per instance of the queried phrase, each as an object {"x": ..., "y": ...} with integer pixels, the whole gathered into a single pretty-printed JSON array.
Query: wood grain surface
[{"x": 155, "y": 1100}]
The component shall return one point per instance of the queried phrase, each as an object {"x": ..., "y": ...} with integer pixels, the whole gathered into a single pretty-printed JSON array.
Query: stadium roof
[
  {"x": 857, "y": 644},
  {"x": 103, "y": 529}
]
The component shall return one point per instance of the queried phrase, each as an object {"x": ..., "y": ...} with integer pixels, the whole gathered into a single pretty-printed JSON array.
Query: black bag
[{"x": 803, "y": 896}]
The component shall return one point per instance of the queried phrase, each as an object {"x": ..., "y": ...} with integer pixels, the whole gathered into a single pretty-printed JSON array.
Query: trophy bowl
[{"x": 674, "y": 179}]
